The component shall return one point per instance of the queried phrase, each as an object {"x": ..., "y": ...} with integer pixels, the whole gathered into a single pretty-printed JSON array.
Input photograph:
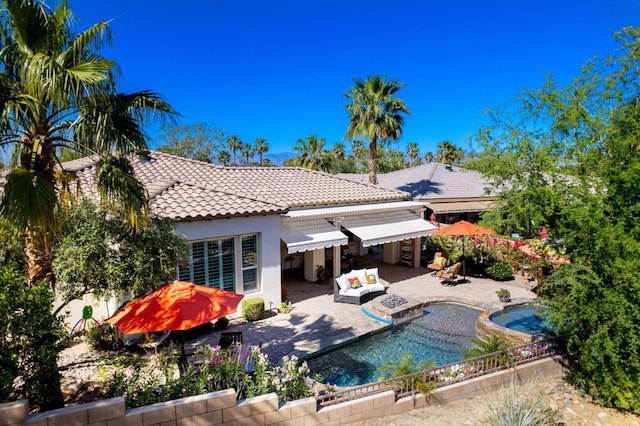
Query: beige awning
[
  {"x": 386, "y": 227},
  {"x": 459, "y": 206},
  {"x": 310, "y": 234}
]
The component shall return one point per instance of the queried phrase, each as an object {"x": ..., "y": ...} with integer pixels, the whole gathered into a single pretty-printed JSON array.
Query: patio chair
[
  {"x": 230, "y": 337},
  {"x": 448, "y": 275},
  {"x": 439, "y": 262}
]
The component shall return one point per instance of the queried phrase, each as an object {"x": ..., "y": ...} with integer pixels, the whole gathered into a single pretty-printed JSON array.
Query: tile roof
[
  {"x": 432, "y": 181},
  {"x": 184, "y": 189}
]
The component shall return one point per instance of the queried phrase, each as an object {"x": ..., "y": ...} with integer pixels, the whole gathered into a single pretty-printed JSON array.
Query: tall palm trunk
[
  {"x": 373, "y": 161},
  {"x": 38, "y": 258}
]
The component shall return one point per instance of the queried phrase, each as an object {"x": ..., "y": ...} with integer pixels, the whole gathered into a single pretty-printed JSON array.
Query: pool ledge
[{"x": 485, "y": 328}]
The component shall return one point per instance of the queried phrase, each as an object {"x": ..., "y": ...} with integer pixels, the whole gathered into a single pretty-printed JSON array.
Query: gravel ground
[{"x": 81, "y": 383}]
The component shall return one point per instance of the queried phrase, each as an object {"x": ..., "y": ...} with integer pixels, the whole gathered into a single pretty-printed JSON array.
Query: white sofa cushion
[
  {"x": 343, "y": 282},
  {"x": 357, "y": 292}
]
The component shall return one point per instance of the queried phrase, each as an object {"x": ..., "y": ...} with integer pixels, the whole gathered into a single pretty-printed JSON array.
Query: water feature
[
  {"x": 526, "y": 319},
  {"x": 440, "y": 335}
]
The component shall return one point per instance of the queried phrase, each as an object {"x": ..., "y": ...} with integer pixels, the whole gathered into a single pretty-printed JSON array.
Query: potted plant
[
  {"x": 322, "y": 273},
  {"x": 504, "y": 295}
]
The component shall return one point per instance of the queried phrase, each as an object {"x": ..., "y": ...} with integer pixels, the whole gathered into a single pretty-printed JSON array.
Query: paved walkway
[{"x": 317, "y": 322}]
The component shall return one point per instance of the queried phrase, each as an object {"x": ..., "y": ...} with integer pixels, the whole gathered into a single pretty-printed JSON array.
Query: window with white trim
[
  {"x": 213, "y": 263},
  {"x": 249, "y": 263}
]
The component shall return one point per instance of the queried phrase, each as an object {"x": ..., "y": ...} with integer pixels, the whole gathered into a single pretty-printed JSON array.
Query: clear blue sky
[{"x": 277, "y": 69}]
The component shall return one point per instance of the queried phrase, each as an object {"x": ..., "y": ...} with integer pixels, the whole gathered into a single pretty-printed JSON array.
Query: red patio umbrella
[
  {"x": 179, "y": 305},
  {"x": 464, "y": 229}
]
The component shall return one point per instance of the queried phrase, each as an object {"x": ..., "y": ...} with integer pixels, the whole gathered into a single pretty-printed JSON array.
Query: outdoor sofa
[{"x": 358, "y": 286}]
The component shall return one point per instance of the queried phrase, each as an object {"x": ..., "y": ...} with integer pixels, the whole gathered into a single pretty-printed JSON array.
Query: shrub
[
  {"x": 500, "y": 270},
  {"x": 252, "y": 308},
  {"x": 221, "y": 323},
  {"x": 102, "y": 338}
]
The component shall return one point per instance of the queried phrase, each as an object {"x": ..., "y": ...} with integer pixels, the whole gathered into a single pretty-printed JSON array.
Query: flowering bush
[{"x": 146, "y": 381}]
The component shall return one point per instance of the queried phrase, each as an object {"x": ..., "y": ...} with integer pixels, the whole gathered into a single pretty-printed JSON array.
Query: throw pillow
[
  {"x": 371, "y": 278},
  {"x": 448, "y": 269},
  {"x": 355, "y": 283},
  {"x": 343, "y": 282},
  {"x": 441, "y": 261}
]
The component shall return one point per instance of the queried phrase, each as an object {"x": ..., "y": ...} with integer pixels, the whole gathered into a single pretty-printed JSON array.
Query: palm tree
[
  {"x": 428, "y": 157},
  {"x": 224, "y": 157},
  {"x": 247, "y": 152},
  {"x": 338, "y": 151},
  {"x": 483, "y": 347},
  {"x": 234, "y": 144},
  {"x": 261, "y": 147},
  {"x": 310, "y": 152},
  {"x": 57, "y": 92},
  {"x": 413, "y": 152},
  {"x": 448, "y": 153},
  {"x": 375, "y": 114}
]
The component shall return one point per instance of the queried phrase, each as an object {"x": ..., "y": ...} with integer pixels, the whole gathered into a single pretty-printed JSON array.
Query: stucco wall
[{"x": 268, "y": 228}]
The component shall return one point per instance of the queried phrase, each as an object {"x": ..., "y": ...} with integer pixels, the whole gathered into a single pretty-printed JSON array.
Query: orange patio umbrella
[
  {"x": 179, "y": 305},
  {"x": 463, "y": 229}
]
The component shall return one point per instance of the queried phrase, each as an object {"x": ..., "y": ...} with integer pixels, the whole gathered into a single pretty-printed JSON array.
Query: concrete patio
[{"x": 317, "y": 322}]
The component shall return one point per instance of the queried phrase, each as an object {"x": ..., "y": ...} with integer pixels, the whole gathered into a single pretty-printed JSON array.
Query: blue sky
[{"x": 277, "y": 69}]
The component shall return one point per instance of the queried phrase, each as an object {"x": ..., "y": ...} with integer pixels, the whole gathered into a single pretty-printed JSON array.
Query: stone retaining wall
[{"x": 221, "y": 408}]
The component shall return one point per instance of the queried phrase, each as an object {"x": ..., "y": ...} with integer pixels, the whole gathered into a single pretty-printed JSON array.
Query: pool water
[
  {"x": 440, "y": 335},
  {"x": 526, "y": 319}
]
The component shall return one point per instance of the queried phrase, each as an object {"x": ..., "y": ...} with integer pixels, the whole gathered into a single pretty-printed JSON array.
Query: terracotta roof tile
[{"x": 185, "y": 189}]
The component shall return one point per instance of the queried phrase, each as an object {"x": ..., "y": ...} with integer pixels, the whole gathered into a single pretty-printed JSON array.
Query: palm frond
[
  {"x": 28, "y": 199},
  {"x": 122, "y": 191}
]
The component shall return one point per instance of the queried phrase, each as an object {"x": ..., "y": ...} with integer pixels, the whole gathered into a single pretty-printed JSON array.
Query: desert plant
[
  {"x": 514, "y": 408},
  {"x": 500, "y": 270},
  {"x": 252, "y": 308}
]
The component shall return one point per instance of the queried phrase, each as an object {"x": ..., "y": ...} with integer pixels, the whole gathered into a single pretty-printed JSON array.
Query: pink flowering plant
[{"x": 146, "y": 380}]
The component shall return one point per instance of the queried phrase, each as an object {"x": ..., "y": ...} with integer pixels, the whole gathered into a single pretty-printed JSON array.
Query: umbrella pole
[{"x": 182, "y": 359}]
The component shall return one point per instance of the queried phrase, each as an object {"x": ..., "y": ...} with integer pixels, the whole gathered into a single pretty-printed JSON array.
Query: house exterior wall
[{"x": 268, "y": 230}]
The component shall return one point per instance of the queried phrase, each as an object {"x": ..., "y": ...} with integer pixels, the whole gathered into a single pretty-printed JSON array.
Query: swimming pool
[
  {"x": 526, "y": 319},
  {"x": 440, "y": 335}
]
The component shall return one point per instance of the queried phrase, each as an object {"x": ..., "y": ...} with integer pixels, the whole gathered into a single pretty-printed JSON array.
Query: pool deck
[{"x": 317, "y": 322}]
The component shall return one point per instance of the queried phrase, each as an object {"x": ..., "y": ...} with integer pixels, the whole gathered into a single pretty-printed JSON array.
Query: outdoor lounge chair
[
  {"x": 439, "y": 262},
  {"x": 448, "y": 275}
]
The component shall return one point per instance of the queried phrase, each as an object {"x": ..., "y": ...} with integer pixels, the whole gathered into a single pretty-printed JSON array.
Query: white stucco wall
[{"x": 268, "y": 229}]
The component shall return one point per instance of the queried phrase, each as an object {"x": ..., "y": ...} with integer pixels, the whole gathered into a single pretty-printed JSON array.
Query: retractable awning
[
  {"x": 386, "y": 227},
  {"x": 310, "y": 234},
  {"x": 459, "y": 206}
]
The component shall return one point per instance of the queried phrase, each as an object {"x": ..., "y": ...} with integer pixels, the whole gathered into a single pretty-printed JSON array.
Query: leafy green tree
[
  {"x": 376, "y": 114},
  {"x": 97, "y": 255},
  {"x": 390, "y": 159},
  {"x": 569, "y": 161},
  {"x": 234, "y": 144},
  {"x": 198, "y": 141},
  {"x": 261, "y": 147},
  {"x": 57, "y": 91}
]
